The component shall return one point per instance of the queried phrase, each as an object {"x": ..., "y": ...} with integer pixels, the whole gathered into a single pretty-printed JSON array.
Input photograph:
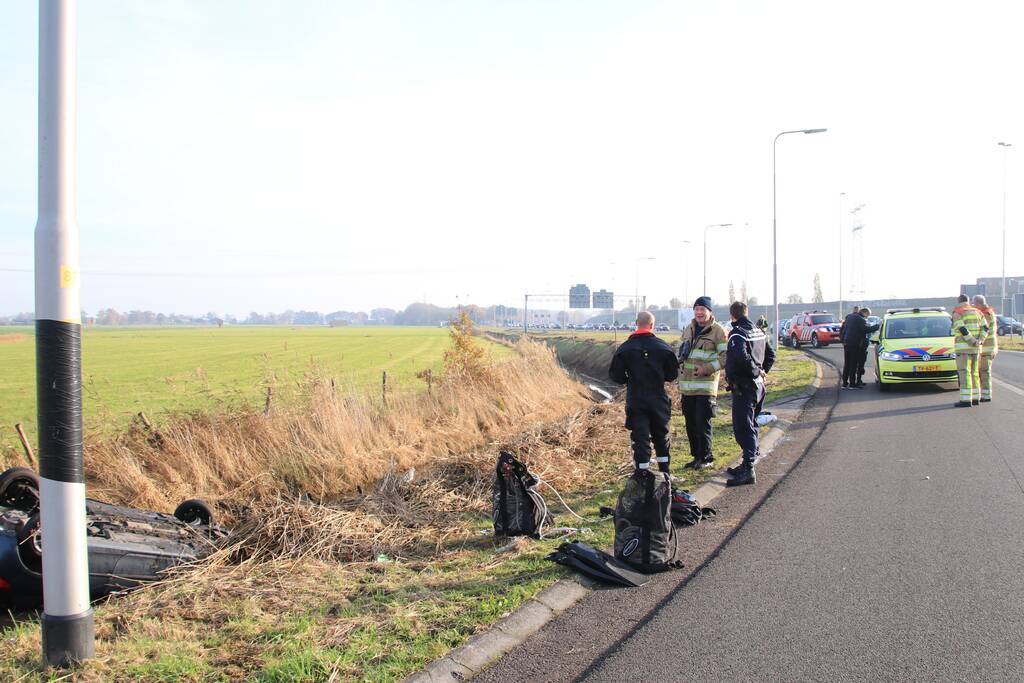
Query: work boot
[
  {"x": 986, "y": 400},
  {"x": 962, "y": 404},
  {"x": 975, "y": 401},
  {"x": 745, "y": 475},
  {"x": 696, "y": 464},
  {"x": 846, "y": 385}
]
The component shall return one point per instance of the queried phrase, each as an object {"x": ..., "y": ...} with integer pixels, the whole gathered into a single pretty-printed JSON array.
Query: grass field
[{"x": 159, "y": 369}]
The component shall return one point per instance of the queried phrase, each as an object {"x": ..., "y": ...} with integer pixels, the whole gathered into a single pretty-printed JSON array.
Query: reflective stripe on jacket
[
  {"x": 707, "y": 348},
  {"x": 969, "y": 317},
  {"x": 990, "y": 347}
]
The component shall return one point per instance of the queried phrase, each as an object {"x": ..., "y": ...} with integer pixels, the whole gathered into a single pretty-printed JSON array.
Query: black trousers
[
  {"x": 853, "y": 358},
  {"x": 746, "y": 404},
  {"x": 697, "y": 412},
  {"x": 648, "y": 424},
  {"x": 862, "y": 361}
]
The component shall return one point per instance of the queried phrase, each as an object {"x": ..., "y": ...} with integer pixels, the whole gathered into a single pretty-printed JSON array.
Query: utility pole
[{"x": 67, "y": 624}]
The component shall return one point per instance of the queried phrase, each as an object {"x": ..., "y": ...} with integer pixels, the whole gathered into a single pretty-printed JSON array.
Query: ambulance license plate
[{"x": 926, "y": 368}]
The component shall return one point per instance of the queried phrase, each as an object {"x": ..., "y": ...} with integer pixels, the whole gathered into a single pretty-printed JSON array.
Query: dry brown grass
[{"x": 327, "y": 446}]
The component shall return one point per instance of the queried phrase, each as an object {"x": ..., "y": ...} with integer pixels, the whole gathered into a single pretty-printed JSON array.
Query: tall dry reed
[{"x": 327, "y": 445}]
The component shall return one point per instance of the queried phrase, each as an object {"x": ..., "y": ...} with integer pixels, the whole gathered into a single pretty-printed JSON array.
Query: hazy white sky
[{"x": 238, "y": 156}]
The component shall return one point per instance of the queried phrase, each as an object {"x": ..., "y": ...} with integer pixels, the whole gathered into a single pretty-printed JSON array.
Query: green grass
[
  {"x": 1011, "y": 343},
  {"x": 158, "y": 369},
  {"x": 373, "y": 621}
]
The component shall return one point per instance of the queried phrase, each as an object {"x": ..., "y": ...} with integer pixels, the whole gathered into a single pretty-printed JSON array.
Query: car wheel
[
  {"x": 814, "y": 341},
  {"x": 883, "y": 387},
  {"x": 19, "y": 489},
  {"x": 796, "y": 342},
  {"x": 194, "y": 512}
]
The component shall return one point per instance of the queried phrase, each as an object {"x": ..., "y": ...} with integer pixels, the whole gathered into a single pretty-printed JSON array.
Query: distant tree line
[{"x": 414, "y": 314}]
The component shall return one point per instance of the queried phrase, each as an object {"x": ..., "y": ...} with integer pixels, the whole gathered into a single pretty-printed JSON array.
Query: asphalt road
[{"x": 893, "y": 549}]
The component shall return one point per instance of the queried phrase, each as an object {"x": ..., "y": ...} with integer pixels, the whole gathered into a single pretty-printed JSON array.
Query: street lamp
[
  {"x": 775, "y": 240},
  {"x": 636, "y": 294},
  {"x": 686, "y": 269},
  {"x": 1002, "y": 303},
  {"x": 706, "y": 227},
  {"x": 840, "y": 313}
]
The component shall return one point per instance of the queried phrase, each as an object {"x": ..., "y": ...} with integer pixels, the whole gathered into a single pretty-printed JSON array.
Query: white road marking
[{"x": 1010, "y": 387}]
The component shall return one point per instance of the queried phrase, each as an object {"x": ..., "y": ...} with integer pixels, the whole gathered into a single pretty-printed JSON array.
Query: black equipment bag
[
  {"x": 517, "y": 508},
  {"x": 686, "y": 511},
  {"x": 645, "y": 537}
]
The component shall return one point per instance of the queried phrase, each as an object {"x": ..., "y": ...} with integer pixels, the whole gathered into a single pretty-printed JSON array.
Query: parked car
[
  {"x": 1008, "y": 325},
  {"x": 785, "y": 328},
  {"x": 126, "y": 547},
  {"x": 817, "y": 328}
]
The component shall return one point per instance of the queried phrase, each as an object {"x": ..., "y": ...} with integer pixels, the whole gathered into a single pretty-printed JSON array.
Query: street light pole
[
  {"x": 1002, "y": 303},
  {"x": 67, "y": 623},
  {"x": 706, "y": 227},
  {"x": 686, "y": 270},
  {"x": 775, "y": 232},
  {"x": 840, "y": 312},
  {"x": 636, "y": 294}
]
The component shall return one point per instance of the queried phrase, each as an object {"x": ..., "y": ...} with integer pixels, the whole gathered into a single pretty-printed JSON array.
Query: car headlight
[{"x": 889, "y": 355}]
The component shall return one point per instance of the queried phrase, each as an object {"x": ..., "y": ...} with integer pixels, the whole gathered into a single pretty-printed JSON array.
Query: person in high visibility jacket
[
  {"x": 989, "y": 348},
  {"x": 702, "y": 357},
  {"x": 968, "y": 330}
]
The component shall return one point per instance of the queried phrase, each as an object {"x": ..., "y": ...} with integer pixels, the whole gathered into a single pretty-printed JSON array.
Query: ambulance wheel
[{"x": 883, "y": 387}]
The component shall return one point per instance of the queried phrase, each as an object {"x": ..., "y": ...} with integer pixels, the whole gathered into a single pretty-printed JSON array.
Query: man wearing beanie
[
  {"x": 702, "y": 357},
  {"x": 644, "y": 364}
]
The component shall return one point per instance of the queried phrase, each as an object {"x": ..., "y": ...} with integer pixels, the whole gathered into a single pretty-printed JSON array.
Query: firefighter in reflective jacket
[
  {"x": 702, "y": 357},
  {"x": 969, "y": 334},
  {"x": 989, "y": 348},
  {"x": 749, "y": 357}
]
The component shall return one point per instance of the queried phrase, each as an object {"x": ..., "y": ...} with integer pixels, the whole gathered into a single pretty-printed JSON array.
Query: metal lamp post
[
  {"x": 636, "y": 293},
  {"x": 840, "y": 313},
  {"x": 686, "y": 270},
  {"x": 775, "y": 233},
  {"x": 706, "y": 228},
  {"x": 1002, "y": 303},
  {"x": 67, "y": 622}
]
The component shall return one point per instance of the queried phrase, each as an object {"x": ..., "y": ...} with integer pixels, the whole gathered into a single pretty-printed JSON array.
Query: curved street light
[
  {"x": 775, "y": 240},
  {"x": 706, "y": 227}
]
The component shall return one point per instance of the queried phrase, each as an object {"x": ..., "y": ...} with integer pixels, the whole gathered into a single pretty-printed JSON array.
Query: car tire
[
  {"x": 19, "y": 489},
  {"x": 796, "y": 342},
  {"x": 194, "y": 512},
  {"x": 814, "y": 341},
  {"x": 883, "y": 387}
]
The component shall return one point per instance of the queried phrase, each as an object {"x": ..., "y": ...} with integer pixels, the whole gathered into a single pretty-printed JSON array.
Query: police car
[{"x": 914, "y": 345}]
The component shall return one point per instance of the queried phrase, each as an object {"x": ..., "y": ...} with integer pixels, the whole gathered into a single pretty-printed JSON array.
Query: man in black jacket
[
  {"x": 644, "y": 364},
  {"x": 855, "y": 342},
  {"x": 748, "y": 359}
]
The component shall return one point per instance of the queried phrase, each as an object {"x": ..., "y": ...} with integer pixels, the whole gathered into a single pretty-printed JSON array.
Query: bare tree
[
  {"x": 818, "y": 296},
  {"x": 732, "y": 292},
  {"x": 743, "y": 292},
  {"x": 794, "y": 299}
]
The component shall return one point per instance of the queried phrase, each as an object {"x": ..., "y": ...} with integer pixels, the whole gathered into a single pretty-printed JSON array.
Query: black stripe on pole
[{"x": 59, "y": 400}]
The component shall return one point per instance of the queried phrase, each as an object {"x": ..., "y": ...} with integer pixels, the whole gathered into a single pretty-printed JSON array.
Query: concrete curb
[{"x": 483, "y": 649}]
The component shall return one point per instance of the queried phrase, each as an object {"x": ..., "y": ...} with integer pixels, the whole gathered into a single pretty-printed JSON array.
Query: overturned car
[{"x": 126, "y": 546}]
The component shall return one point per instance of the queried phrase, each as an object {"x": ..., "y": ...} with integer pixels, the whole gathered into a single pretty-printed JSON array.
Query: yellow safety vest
[
  {"x": 969, "y": 317},
  {"x": 709, "y": 349}
]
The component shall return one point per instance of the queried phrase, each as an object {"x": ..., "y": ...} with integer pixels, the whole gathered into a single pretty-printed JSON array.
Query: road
[{"x": 891, "y": 550}]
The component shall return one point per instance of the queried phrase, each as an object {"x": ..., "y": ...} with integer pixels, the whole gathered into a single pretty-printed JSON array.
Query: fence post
[
  {"x": 384, "y": 388},
  {"x": 26, "y": 445}
]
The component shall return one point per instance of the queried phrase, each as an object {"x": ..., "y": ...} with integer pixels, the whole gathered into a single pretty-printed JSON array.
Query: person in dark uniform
[
  {"x": 849, "y": 349},
  {"x": 855, "y": 342},
  {"x": 748, "y": 359},
  {"x": 644, "y": 363}
]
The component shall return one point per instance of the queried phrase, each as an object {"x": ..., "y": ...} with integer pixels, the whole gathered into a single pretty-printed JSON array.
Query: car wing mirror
[{"x": 874, "y": 338}]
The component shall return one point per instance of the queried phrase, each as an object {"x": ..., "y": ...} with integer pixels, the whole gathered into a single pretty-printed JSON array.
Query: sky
[{"x": 263, "y": 156}]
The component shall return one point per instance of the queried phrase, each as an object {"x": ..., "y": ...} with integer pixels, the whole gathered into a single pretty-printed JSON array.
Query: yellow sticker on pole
[{"x": 68, "y": 277}]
